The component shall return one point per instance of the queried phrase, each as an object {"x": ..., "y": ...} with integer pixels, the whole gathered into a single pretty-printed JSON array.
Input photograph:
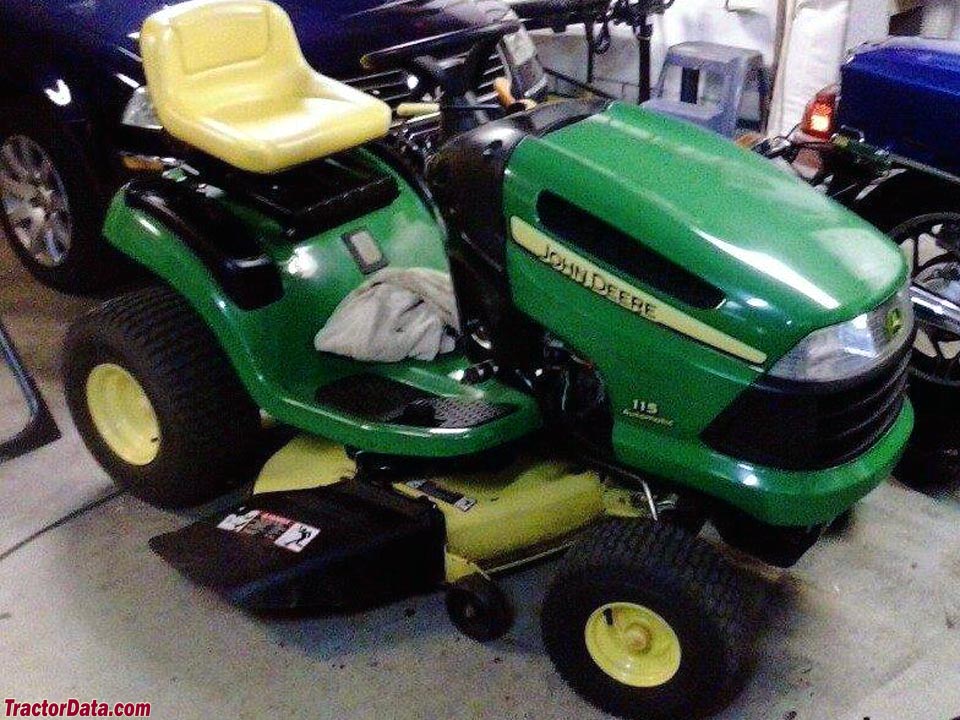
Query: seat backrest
[{"x": 207, "y": 53}]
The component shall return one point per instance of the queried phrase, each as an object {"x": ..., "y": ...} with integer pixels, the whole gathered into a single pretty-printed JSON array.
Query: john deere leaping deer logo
[{"x": 893, "y": 323}]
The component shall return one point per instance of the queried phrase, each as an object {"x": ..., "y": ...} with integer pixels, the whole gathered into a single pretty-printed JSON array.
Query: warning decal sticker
[{"x": 282, "y": 532}]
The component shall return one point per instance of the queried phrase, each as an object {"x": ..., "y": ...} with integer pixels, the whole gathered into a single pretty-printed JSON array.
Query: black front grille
[
  {"x": 808, "y": 426},
  {"x": 392, "y": 86}
]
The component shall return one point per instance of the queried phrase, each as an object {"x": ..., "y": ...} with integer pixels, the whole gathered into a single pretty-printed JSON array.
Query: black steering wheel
[{"x": 455, "y": 80}]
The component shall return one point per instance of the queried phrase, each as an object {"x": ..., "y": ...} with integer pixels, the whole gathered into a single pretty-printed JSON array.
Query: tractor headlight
[
  {"x": 139, "y": 111},
  {"x": 852, "y": 348}
]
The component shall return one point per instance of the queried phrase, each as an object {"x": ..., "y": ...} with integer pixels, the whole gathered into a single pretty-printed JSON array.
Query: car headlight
[
  {"x": 851, "y": 348},
  {"x": 520, "y": 54},
  {"x": 140, "y": 112}
]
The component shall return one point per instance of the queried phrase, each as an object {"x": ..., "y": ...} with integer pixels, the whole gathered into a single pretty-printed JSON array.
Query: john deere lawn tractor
[{"x": 657, "y": 329}]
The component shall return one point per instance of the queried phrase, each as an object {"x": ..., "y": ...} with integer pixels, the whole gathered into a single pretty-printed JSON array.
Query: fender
[
  {"x": 51, "y": 90},
  {"x": 143, "y": 235},
  {"x": 221, "y": 242},
  {"x": 282, "y": 379}
]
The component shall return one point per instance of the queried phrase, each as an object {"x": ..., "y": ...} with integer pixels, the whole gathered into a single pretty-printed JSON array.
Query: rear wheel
[
  {"x": 644, "y": 621},
  {"x": 157, "y": 402},
  {"x": 50, "y": 210}
]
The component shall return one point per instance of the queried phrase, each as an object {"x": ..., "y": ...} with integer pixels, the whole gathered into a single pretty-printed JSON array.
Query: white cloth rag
[{"x": 396, "y": 314}]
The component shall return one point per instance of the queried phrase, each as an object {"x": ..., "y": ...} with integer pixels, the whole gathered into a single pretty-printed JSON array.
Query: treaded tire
[
  {"x": 922, "y": 469},
  {"x": 209, "y": 427},
  {"x": 682, "y": 579},
  {"x": 91, "y": 264}
]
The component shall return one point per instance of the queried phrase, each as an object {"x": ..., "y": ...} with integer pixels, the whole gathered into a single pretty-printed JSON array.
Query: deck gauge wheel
[{"x": 479, "y": 608}]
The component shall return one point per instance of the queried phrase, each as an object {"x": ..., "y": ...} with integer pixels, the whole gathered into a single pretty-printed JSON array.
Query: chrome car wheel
[
  {"x": 931, "y": 244},
  {"x": 35, "y": 201}
]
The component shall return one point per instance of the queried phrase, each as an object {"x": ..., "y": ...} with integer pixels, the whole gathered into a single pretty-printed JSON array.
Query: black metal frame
[
  {"x": 41, "y": 429},
  {"x": 557, "y": 14}
]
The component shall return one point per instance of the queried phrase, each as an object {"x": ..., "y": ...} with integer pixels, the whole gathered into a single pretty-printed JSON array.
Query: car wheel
[
  {"x": 50, "y": 209},
  {"x": 931, "y": 244}
]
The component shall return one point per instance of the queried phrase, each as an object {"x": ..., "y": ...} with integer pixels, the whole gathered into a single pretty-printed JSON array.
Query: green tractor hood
[{"x": 786, "y": 260}]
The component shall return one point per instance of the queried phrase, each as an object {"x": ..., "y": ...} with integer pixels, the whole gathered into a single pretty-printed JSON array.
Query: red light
[{"x": 820, "y": 116}]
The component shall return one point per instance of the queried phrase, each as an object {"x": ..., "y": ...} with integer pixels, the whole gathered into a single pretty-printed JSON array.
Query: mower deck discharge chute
[{"x": 651, "y": 339}]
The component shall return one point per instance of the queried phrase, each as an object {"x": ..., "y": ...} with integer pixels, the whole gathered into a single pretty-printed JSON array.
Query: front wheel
[
  {"x": 644, "y": 621},
  {"x": 156, "y": 400}
]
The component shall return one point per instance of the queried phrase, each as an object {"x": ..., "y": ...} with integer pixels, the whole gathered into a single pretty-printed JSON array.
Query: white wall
[
  {"x": 869, "y": 20},
  {"x": 940, "y": 18},
  {"x": 818, "y": 35},
  {"x": 810, "y": 58},
  {"x": 616, "y": 70},
  {"x": 709, "y": 20}
]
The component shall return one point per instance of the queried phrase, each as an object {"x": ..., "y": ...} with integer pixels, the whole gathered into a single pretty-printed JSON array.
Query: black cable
[{"x": 58, "y": 523}]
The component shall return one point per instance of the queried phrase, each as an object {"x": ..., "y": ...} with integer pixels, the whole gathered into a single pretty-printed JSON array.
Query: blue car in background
[
  {"x": 71, "y": 74},
  {"x": 903, "y": 95}
]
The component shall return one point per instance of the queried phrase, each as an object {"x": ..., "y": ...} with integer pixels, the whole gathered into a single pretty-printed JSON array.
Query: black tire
[
  {"x": 935, "y": 370},
  {"x": 90, "y": 265},
  {"x": 678, "y": 577},
  {"x": 923, "y": 469},
  {"x": 209, "y": 427},
  {"x": 479, "y": 608},
  {"x": 841, "y": 524},
  {"x": 933, "y": 455}
]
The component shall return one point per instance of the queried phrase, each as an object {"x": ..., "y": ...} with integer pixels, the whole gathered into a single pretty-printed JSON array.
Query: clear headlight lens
[
  {"x": 140, "y": 112},
  {"x": 852, "y": 348}
]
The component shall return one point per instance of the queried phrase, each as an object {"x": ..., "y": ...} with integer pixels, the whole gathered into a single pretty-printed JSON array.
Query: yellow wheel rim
[
  {"x": 123, "y": 414},
  {"x": 632, "y": 644}
]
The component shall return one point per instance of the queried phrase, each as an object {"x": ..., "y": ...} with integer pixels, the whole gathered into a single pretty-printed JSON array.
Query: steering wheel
[{"x": 457, "y": 79}]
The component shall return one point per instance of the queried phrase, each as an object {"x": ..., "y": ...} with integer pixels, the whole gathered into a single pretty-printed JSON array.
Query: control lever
[
  {"x": 502, "y": 87},
  {"x": 416, "y": 109},
  {"x": 419, "y": 109}
]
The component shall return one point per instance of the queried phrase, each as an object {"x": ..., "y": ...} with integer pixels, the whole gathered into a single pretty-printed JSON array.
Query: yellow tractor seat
[{"x": 228, "y": 77}]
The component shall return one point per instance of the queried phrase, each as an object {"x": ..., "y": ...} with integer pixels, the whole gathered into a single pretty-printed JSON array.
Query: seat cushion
[
  {"x": 228, "y": 77},
  {"x": 274, "y": 134}
]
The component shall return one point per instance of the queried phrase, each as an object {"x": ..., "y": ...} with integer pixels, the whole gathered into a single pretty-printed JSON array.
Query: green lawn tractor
[{"x": 657, "y": 329}]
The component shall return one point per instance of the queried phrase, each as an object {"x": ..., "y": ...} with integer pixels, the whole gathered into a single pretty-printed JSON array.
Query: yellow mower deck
[{"x": 492, "y": 520}]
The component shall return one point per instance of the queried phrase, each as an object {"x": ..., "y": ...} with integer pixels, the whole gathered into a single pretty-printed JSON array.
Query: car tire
[
  {"x": 933, "y": 454},
  {"x": 157, "y": 402},
  {"x": 87, "y": 263},
  {"x": 684, "y": 638}
]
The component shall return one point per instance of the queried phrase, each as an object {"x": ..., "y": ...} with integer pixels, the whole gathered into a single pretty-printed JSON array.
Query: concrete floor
[{"x": 866, "y": 626}]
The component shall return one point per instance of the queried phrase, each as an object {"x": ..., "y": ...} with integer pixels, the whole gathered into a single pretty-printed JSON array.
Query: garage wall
[
  {"x": 616, "y": 71},
  {"x": 817, "y": 35},
  {"x": 814, "y": 46},
  {"x": 940, "y": 19}
]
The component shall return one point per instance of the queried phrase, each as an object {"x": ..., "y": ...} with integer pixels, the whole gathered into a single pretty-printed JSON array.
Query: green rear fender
[{"x": 271, "y": 348}]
